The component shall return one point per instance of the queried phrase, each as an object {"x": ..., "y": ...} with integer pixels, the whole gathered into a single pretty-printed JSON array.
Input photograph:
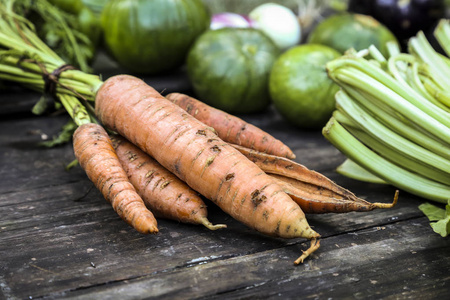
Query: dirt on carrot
[
  {"x": 95, "y": 153},
  {"x": 166, "y": 195},
  {"x": 230, "y": 128},
  {"x": 194, "y": 153}
]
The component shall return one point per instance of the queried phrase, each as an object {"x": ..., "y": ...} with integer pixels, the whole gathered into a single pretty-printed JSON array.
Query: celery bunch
[{"x": 393, "y": 116}]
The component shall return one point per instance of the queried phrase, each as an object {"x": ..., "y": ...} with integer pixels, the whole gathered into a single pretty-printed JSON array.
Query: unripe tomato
[{"x": 152, "y": 36}]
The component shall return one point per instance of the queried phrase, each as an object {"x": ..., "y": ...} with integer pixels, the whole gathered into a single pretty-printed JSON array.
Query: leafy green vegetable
[
  {"x": 26, "y": 59},
  {"x": 41, "y": 106},
  {"x": 62, "y": 31},
  {"x": 63, "y": 137},
  {"x": 439, "y": 217}
]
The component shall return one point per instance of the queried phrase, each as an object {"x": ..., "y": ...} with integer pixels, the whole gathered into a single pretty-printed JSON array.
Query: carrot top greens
[
  {"x": 440, "y": 218},
  {"x": 26, "y": 59}
]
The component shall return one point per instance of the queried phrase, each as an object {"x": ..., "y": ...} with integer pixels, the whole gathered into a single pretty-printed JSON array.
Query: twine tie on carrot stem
[{"x": 51, "y": 79}]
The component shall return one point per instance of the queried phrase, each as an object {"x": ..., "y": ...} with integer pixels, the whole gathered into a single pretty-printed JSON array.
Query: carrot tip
[
  {"x": 151, "y": 230},
  {"x": 211, "y": 226},
  {"x": 315, "y": 244}
]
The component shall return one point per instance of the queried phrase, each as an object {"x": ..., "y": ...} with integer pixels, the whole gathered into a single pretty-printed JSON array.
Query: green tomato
[
  {"x": 229, "y": 69},
  {"x": 152, "y": 36},
  {"x": 345, "y": 31},
  {"x": 300, "y": 88}
]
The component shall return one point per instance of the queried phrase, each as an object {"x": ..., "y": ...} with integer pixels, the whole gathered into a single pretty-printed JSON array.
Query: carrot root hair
[
  {"x": 315, "y": 244},
  {"x": 205, "y": 222},
  {"x": 387, "y": 205}
]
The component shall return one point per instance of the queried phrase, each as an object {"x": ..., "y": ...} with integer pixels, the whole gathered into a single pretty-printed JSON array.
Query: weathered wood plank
[
  {"x": 16, "y": 100},
  {"x": 49, "y": 239},
  {"x": 361, "y": 265},
  {"x": 25, "y": 164}
]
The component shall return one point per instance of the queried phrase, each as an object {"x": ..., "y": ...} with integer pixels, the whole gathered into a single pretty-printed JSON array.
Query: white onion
[
  {"x": 279, "y": 23},
  {"x": 228, "y": 19}
]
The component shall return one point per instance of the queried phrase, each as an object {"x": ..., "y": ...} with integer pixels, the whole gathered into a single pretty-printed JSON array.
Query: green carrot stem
[
  {"x": 381, "y": 167},
  {"x": 92, "y": 82},
  {"x": 25, "y": 66},
  {"x": 43, "y": 48},
  {"x": 75, "y": 109},
  {"x": 23, "y": 80},
  {"x": 15, "y": 71}
]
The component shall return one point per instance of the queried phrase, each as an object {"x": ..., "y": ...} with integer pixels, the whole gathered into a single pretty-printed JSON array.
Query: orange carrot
[
  {"x": 232, "y": 129},
  {"x": 97, "y": 157},
  {"x": 325, "y": 201},
  {"x": 166, "y": 195},
  {"x": 193, "y": 152},
  {"x": 314, "y": 192},
  {"x": 281, "y": 166}
]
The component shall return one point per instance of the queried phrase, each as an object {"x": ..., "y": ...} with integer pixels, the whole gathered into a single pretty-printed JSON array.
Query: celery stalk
[
  {"x": 381, "y": 167},
  {"x": 390, "y": 140},
  {"x": 410, "y": 79},
  {"x": 442, "y": 33},
  {"x": 390, "y": 154},
  {"x": 415, "y": 114},
  {"x": 422, "y": 48},
  {"x": 366, "y": 76},
  {"x": 352, "y": 170},
  {"x": 400, "y": 125}
]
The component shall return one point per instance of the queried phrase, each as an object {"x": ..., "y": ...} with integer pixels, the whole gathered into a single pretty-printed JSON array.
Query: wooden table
[{"x": 60, "y": 239}]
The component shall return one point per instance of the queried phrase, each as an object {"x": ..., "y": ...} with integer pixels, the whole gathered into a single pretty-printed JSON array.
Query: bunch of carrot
[{"x": 161, "y": 152}]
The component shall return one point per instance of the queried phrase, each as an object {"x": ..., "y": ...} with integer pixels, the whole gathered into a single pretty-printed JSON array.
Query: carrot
[
  {"x": 315, "y": 181},
  {"x": 314, "y": 192},
  {"x": 318, "y": 203},
  {"x": 166, "y": 195},
  {"x": 97, "y": 157},
  {"x": 232, "y": 129},
  {"x": 193, "y": 152}
]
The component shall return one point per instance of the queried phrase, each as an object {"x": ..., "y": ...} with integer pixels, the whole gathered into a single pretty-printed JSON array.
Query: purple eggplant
[{"x": 403, "y": 17}]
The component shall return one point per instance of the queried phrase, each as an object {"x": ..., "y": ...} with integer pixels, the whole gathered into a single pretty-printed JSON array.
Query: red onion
[{"x": 228, "y": 19}]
